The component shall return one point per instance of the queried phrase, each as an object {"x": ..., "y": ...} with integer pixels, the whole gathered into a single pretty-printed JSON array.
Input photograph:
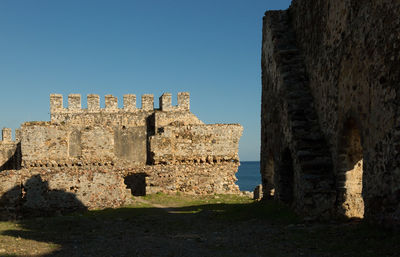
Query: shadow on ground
[{"x": 248, "y": 229}]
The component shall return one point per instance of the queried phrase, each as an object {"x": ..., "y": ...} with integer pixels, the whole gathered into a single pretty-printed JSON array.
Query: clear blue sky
[{"x": 211, "y": 48}]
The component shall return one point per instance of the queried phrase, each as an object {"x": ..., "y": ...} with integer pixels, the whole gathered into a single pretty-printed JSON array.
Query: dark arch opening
[
  {"x": 267, "y": 175},
  {"x": 286, "y": 178},
  {"x": 349, "y": 175}
]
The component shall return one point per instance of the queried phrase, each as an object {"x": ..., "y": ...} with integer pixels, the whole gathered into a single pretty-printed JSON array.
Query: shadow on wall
[
  {"x": 285, "y": 178},
  {"x": 35, "y": 198},
  {"x": 136, "y": 183},
  {"x": 150, "y": 130},
  {"x": 14, "y": 162}
]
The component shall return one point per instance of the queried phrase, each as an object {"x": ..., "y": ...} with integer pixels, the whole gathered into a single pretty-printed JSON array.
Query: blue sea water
[{"x": 248, "y": 176}]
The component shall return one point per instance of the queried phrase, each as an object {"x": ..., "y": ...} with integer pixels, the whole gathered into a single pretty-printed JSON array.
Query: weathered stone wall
[
  {"x": 191, "y": 178},
  {"x": 10, "y": 150},
  {"x": 196, "y": 144},
  {"x": 295, "y": 162},
  {"x": 89, "y": 158},
  {"x": 47, "y": 191},
  {"x": 39, "y": 191},
  {"x": 351, "y": 58},
  {"x": 98, "y": 136},
  {"x": 45, "y": 144},
  {"x": 352, "y": 53}
]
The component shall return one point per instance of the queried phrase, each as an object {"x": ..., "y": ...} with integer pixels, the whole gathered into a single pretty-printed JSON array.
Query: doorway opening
[{"x": 349, "y": 175}]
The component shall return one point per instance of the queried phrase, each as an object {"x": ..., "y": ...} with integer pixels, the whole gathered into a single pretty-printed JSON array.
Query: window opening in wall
[{"x": 350, "y": 172}]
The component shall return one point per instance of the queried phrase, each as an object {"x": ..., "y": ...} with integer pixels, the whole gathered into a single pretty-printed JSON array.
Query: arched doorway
[
  {"x": 349, "y": 175},
  {"x": 267, "y": 175}
]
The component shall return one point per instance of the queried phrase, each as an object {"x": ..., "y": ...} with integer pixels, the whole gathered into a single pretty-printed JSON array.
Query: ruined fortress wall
[
  {"x": 10, "y": 150},
  {"x": 98, "y": 157},
  {"x": 352, "y": 57},
  {"x": 99, "y": 136},
  {"x": 51, "y": 145},
  {"x": 196, "y": 144},
  {"x": 330, "y": 75},
  {"x": 44, "y": 190},
  {"x": 191, "y": 178},
  {"x": 39, "y": 191},
  {"x": 296, "y": 166}
]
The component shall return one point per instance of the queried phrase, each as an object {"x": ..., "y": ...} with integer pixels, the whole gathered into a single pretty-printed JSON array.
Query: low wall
[
  {"x": 41, "y": 191},
  {"x": 46, "y": 191}
]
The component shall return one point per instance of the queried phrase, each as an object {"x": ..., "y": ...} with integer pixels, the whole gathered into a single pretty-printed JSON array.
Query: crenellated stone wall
[
  {"x": 97, "y": 136},
  {"x": 345, "y": 56},
  {"x": 97, "y": 157}
]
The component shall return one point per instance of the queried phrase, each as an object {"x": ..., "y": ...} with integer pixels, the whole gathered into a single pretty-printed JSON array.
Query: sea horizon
[{"x": 248, "y": 175}]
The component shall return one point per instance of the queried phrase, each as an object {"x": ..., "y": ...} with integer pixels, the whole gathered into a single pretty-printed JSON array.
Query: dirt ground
[{"x": 162, "y": 225}]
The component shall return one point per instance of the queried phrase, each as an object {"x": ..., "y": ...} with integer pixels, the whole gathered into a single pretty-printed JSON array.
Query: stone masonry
[
  {"x": 96, "y": 157},
  {"x": 330, "y": 108}
]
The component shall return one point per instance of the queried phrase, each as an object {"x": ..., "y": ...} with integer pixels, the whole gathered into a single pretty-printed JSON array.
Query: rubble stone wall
[
  {"x": 100, "y": 136},
  {"x": 350, "y": 58},
  {"x": 47, "y": 191},
  {"x": 352, "y": 55},
  {"x": 98, "y": 157},
  {"x": 40, "y": 191},
  {"x": 196, "y": 144},
  {"x": 295, "y": 161}
]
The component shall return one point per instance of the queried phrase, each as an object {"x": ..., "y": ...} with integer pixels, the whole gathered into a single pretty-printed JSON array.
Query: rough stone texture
[
  {"x": 192, "y": 178},
  {"x": 330, "y": 71},
  {"x": 99, "y": 136},
  {"x": 10, "y": 150},
  {"x": 42, "y": 191},
  {"x": 87, "y": 158},
  {"x": 196, "y": 144}
]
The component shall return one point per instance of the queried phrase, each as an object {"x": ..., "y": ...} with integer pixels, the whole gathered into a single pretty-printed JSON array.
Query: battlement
[
  {"x": 183, "y": 102},
  {"x": 111, "y": 103},
  {"x": 6, "y": 134}
]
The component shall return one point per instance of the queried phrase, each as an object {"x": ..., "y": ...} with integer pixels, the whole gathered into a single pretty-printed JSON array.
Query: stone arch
[
  {"x": 285, "y": 178},
  {"x": 349, "y": 176},
  {"x": 267, "y": 175}
]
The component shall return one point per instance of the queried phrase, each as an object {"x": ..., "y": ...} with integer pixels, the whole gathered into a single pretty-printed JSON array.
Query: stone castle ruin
[
  {"x": 101, "y": 156},
  {"x": 330, "y": 108}
]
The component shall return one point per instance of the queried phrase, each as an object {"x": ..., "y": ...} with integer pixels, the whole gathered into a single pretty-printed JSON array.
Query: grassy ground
[{"x": 180, "y": 225}]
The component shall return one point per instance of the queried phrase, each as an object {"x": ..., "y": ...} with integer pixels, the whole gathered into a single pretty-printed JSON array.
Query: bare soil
[{"x": 162, "y": 225}]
